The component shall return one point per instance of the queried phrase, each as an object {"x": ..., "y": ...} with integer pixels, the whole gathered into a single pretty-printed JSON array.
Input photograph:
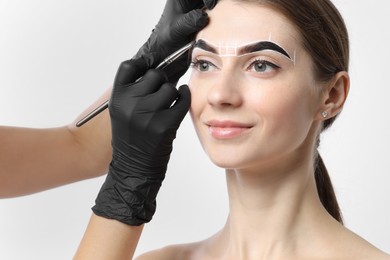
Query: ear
[{"x": 334, "y": 95}]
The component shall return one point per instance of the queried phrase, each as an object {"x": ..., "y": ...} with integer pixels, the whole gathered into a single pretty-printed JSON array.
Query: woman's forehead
[{"x": 236, "y": 23}]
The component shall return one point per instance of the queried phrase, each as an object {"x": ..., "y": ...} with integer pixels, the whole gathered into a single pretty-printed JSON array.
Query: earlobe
[{"x": 334, "y": 95}]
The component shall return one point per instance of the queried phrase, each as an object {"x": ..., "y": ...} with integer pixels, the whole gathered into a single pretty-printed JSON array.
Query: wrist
[
  {"x": 127, "y": 198},
  {"x": 108, "y": 239}
]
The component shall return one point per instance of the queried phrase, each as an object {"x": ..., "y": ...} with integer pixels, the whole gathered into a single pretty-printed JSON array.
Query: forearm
[
  {"x": 33, "y": 160},
  {"x": 108, "y": 239}
]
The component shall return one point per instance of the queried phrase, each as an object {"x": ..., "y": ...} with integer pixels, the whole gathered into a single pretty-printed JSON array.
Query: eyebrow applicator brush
[{"x": 168, "y": 60}]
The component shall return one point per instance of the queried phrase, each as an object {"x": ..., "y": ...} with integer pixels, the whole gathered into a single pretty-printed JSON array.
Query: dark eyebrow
[
  {"x": 258, "y": 46},
  {"x": 204, "y": 46},
  {"x": 263, "y": 45}
]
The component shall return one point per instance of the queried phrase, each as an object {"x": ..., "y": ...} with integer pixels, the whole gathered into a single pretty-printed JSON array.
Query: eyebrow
[
  {"x": 201, "y": 44},
  {"x": 253, "y": 47}
]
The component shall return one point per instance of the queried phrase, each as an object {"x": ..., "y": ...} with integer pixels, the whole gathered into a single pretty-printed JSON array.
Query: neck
[{"x": 272, "y": 209}]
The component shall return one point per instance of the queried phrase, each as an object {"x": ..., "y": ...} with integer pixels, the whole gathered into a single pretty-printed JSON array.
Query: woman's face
[{"x": 254, "y": 97}]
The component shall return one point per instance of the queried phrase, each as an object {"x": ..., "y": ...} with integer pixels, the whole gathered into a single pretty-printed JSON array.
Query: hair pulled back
[{"x": 325, "y": 37}]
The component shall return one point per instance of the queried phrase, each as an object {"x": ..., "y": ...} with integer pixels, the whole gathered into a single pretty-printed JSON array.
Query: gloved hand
[
  {"x": 180, "y": 21},
  {"x": 144, "y": 125}
]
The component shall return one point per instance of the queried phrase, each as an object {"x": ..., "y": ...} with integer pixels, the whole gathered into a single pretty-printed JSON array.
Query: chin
[
  {"x": 225, "y": 165},
  {"x": 228, "y": 161}
]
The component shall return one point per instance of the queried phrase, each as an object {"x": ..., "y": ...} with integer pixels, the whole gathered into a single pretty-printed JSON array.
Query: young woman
[{"x": 268, "y": 77}]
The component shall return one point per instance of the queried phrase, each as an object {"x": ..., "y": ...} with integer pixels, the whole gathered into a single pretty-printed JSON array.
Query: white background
[{"x": 57, "y": 57}]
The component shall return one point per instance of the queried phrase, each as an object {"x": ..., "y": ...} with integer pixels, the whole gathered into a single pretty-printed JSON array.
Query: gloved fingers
[
  {"x": 210, "y": 4},
  {"x": 177, "y": 69},
  {"x": 149, "y": 83},
  {"x": 164, "y": 97},
  {"x": 183, "y": 29},
  {"x": 183, "y": 102},
  {"x": 188, "y": 5},
  {"x": 189, "y": 23},
  {"x": 129, "y": 71}
]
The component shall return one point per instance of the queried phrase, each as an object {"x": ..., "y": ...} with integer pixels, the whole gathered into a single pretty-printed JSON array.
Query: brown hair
[{"x": 325, "y": 37}]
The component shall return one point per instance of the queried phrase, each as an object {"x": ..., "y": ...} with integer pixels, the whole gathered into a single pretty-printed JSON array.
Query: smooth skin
[
  {"x": 108, "y": 239},
  {"x": 260, "y": 123},
  {"x": 33, "y": 160}
]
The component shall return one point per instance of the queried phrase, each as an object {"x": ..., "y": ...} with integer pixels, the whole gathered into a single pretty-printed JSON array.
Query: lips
[{"x": 227, "y": 129}]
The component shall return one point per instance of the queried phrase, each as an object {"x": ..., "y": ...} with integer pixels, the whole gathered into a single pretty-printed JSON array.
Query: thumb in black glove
[
  {"x": 144, "y": 124},
  {"x": 180, "y": 21}
]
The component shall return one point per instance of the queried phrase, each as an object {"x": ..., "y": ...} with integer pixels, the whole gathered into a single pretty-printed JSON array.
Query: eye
[
  {"x": 202, "y": 65},
  {"x": 263, "y": 66}
]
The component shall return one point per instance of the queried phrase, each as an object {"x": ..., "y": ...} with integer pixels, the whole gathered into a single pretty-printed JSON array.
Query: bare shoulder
[
  {"x": 172, "y": 252},
  {"x": 377, "y": 255},
  {"x": 361, "y": 248}
]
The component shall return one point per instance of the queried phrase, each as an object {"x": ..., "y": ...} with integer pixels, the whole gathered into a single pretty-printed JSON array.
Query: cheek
[
  {"x": 198, "y": 99},
  {"x": 283, "y": 104},
  {"x": 286, "y": 112},
  {"x": 198, "y": 94},
  {"x": 194, "y": 96}
]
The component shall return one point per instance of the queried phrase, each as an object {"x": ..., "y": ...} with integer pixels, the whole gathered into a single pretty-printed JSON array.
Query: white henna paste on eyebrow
[{"x": 231, "y": 49}]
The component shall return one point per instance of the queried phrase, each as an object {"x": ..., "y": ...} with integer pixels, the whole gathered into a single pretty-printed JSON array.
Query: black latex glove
[
  {"x": 180, "y": 21},
  {"x": 144, "y": 125}
]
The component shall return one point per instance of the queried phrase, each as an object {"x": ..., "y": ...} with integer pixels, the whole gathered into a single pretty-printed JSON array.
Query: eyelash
[
  {"x": 196, "y": 63},
  {"x": 263, "y": 62}
]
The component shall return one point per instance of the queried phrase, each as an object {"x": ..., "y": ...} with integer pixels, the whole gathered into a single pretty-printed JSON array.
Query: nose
[{"x": 225, "y": 91}]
